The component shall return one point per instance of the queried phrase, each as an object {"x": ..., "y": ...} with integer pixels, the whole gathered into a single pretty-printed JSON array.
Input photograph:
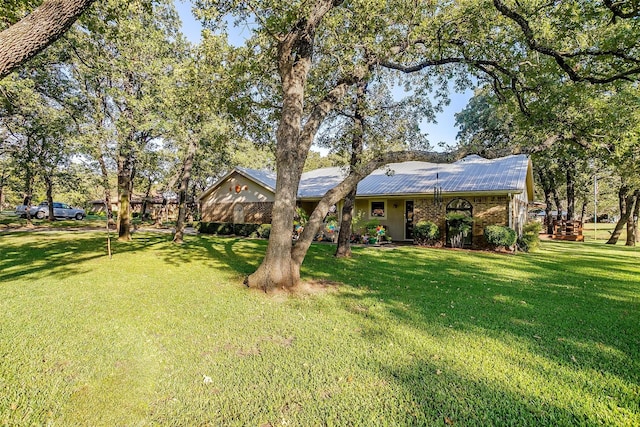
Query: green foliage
[
  {"x": 358, "y": 222},
  {"x": 371, "y": 226},
  {"x": 460, "y": 223},
  {"x": 228, "y": 229},
  {"x": 218, "y": 228},
  {"x": 264, "y": 230},
  {"x": 530, "y": 239},
  {"x": 498, "y": 235},
  {"x": 301, "y": 217},
  {"x": 425, "y": 233}
]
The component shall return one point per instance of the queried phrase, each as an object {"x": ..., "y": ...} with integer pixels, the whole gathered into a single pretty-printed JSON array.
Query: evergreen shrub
[
  {"x": 425, "y": 233},
  {"x": 498, "y": 235},
  {"x": 530, "y": 239}
]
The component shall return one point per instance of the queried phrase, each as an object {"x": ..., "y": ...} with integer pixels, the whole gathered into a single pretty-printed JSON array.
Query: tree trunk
[
  {"x": 107, "y": 190},
  {"x": 571, "y": 171},
  {"x": 178, "y": 237},
  {"x": 49, "y": 184},
  {"x": 548, "y": 191},
  {"x": 344, "y": 236},
  {"x": 583, "y": 211},
  {"x": 32, "y": 34},
  {"x": 277, "y": 270},
  {"x": 558, "y": 202},
  {"x": 632, "y": 222},
  {"x": 357, "y": 144},
  {"x": 294, "y": 62},
  {"x": 3, "y": 179},
  {"x": 636, "y": 214},
  {"x": 28, "y": 195},
  {"x": 145, "y": 199},
  {"x": 125, "y": 187},
  {"x": 624, "y": 215}
]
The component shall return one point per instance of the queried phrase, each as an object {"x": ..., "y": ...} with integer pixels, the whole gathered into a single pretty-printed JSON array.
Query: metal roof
[
  {"x": 470, "y": 174},
  {"x": 266, "y": 178}
]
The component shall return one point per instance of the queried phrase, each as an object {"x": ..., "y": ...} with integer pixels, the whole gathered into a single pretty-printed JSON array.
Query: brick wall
[
  {"x": 258, "y": 212},
  {"x": 254, "y": 212},
  {"x": 487, "y": 210}
]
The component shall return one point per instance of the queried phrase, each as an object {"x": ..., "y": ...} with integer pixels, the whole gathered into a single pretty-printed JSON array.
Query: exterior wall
[
  {"x": 521, "y": 206},
  {"x": 394, "y": 221},
  {"x": 252, "y": 213},
  {"x": 255, "y": 202},
  {"x": 487, "y": 210}
]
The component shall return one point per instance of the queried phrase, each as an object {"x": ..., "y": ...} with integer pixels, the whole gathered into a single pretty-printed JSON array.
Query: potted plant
[{"x": 459, "y": 226}]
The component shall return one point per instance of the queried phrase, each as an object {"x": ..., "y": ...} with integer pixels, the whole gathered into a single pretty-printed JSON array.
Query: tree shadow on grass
[
  {"x": 550, "y": 305},
  {"x": 236, "y": 255},
  {"x": 439, "y": 395},
  {"x": 39, "y": 255}
]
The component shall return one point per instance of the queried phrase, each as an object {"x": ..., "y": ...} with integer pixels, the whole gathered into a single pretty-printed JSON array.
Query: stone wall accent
[
  {"x": 487, "y": 210},
  {"x": 254, "y": 212}
]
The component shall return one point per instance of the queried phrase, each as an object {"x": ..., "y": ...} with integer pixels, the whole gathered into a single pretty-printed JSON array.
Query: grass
[
  {"x": 602, "y": 232},
  {"x": 10, "y": 221},
  {"x": 167, "y": 335}
]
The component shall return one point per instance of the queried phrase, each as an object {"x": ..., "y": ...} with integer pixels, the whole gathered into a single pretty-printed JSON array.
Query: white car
[{"x": 60, "y": 210}]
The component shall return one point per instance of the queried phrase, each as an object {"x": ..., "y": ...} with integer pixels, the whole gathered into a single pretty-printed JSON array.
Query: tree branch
[
  {"x": 560, "y": 57},
  {"x": 26, "y": 38}
]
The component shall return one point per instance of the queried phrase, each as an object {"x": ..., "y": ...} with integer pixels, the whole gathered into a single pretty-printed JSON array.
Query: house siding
[
  {"x": 253, "y": 213},
  {"x": 255, "y": 200}
]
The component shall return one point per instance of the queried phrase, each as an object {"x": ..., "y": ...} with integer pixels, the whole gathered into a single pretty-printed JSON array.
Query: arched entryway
[{"x": 459, "y": 226}]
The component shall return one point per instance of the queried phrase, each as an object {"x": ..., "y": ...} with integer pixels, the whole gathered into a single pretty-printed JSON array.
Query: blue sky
[{"x": 444, "y": 130}]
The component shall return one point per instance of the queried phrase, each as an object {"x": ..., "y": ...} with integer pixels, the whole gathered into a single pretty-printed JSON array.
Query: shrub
[
  {"x": 530, "y": 239},
  {"x": 498, "y": 235},
  {"x": 460, "y": 226},
  {"x": 219, "y": 228},
  {"x": 425, "y": 233},
  {"x": 246, "y": 230},
  {"x": 460, "y": 222},
  {"x": 227, "y": 229},
  {"x": 358, "y": 222},
  {"x": 264, "y": 231}
]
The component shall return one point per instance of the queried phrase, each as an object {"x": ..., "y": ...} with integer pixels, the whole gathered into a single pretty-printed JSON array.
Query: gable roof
[
  {"x": 470, "y": 174},
  {"x": 266, "y": 178},
  {"x": 263, "y": 178}
]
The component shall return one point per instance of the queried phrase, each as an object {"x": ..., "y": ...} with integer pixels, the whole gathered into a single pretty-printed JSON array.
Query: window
[{"x": 377, "y": 210}]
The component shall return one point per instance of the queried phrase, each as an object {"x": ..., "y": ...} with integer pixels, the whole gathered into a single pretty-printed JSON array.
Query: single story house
[{"x": 491, "y": 191}]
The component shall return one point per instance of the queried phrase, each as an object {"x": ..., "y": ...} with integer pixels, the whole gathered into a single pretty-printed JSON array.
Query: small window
[{"x": 378, "y": 210}]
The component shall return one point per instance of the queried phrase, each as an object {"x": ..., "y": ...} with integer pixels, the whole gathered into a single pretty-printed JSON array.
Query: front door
[{"x": 408, "y": 220}]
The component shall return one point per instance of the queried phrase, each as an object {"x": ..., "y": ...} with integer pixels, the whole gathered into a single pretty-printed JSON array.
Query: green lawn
[
  {"x": 167, "y": 335},
  {"x": 602, "y": 232}
]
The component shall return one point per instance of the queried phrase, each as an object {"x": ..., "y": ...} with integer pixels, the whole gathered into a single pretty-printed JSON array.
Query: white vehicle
[{"x": 60, "y": 210}]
